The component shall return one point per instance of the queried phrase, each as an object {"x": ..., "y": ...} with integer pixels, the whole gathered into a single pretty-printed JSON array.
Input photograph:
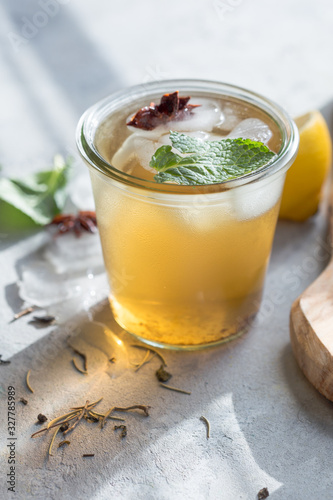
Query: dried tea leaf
[
  {"x": 123, "y": 430},
  {"x": 64, "y": 427},
  {"x": 20, "y": 314},
  {"x": 46, "y": 320},
  {"x": 174, "y": 389},
  {"x": 63, "y": 442},
  {"x": 27, "y": 380},
  {"x": 206, "y": 421},
  {"x": 162, "y": 375},
  {"x": 263, "y": 493}
]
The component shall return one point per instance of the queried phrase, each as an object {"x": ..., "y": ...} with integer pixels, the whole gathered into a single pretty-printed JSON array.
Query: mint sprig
[
  {"x": 208, "y": 162},
  {"x": 33, "y": 200}
]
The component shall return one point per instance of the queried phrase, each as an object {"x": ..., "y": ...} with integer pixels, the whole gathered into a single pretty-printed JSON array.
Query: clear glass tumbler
[{"x": 186, "y": 265}]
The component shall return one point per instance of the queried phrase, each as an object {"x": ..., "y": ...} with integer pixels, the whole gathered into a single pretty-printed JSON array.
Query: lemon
[{"x": 305, "y": 178}]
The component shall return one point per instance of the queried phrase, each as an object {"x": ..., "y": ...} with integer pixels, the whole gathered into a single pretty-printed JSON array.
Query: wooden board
[{"x": 311, "y": 332}]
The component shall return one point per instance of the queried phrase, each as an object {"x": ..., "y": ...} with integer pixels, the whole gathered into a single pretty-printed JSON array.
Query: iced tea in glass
[{"x": 186, "y": 264}]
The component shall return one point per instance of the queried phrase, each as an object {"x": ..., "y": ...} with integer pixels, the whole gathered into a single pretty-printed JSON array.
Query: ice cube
[
  {"x": 205, "y": 212},
  {"x": 255, "y": 199},
  {"x": 71, "y": 254},
  {"x": 205, "y": 117},
  {"x": 134, "y": 147},
  {"x": 64, "y": 276},
  {"x": 252, "y": 128},
  {"x": 90, "y": 291},
  {"x": 41, "y": 286},
  {"x": 232, "y": 118},
  {"x": 61, "y": 295},
  {"x": 252, "y": 200}
]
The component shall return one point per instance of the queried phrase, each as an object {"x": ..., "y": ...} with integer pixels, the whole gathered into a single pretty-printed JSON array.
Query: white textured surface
[{"x": 269, "y": 426}]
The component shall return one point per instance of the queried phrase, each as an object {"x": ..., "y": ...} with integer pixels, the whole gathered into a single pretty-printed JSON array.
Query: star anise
[
  {"x": 171, "y": 108},
  {"x": 83, "y": 221}
]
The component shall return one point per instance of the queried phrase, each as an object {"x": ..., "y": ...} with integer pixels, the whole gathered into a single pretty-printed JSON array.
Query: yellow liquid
[
  {"x": 180, "y": 276},
  {"x": 183, "y": 274}
]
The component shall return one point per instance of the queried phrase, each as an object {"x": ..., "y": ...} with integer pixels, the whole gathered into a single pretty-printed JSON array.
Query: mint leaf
[
  {"x": 34, "y": 200},
  {"x": 212, "y": 161}
]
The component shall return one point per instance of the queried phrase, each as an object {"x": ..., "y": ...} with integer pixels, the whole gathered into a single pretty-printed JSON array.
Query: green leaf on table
[
  {"x": 35, "y": 199},
  {"x": 208, "y": 162}
]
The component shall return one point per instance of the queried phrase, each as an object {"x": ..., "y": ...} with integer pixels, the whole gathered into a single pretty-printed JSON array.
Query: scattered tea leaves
[
  {"x": 79, "y": 417},
  {"x": 28, "y": 381},
  {"x": 204, "y": 419},
  {"x": 23, "y": 401},
  {"x": 123, "y": 430},
  {"x": 4, "y": 362},
  {"x": 63, "y": 418},
  {"x": 144, "y": 408},
  {"x": 86, "y": 411},
  {"x": 91, "y": 418},
  {"x": 106, "y": 416},
  {"x": 41, "y": 418},
  {"x": 53, "y": 425},
  {"x": 174, "y": 389},
  {"x": 162, "y": 375},
  {"x": 263, "y": 493},
  {"x": 22, "y": 313},
  {"x": 101, "y": 416},
  {"x": 90, "y": 405}
]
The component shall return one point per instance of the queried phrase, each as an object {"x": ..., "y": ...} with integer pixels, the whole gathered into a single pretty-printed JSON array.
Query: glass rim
[{"x": 94, "y": 116}]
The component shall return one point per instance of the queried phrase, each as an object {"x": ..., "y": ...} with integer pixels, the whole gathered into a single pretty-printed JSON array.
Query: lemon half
[{"x": 305, "y": 178}]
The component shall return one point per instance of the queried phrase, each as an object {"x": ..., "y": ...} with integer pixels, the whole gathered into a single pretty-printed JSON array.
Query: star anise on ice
[
  {"x": 83, "y": 221},
  {"x": 171, "y": 108}
]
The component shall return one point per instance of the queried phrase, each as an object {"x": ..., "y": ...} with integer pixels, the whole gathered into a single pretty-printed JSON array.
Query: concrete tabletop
[{"x": 269, "y": 426}]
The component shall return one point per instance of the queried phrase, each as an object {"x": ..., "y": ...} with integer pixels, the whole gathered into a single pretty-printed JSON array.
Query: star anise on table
[
  {"x": 83, "y": 221},
  {"x": 171, "y": 108}
]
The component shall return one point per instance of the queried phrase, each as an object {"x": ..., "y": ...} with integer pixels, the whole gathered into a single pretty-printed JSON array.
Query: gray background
[{"x": 269, "y": 426}]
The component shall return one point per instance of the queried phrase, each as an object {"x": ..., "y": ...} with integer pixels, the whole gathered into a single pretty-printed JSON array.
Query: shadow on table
[
  {"x": 72, "y": 60},
  {"x": 58, "y": 386},
  {"x": 311, "y": 402}
]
